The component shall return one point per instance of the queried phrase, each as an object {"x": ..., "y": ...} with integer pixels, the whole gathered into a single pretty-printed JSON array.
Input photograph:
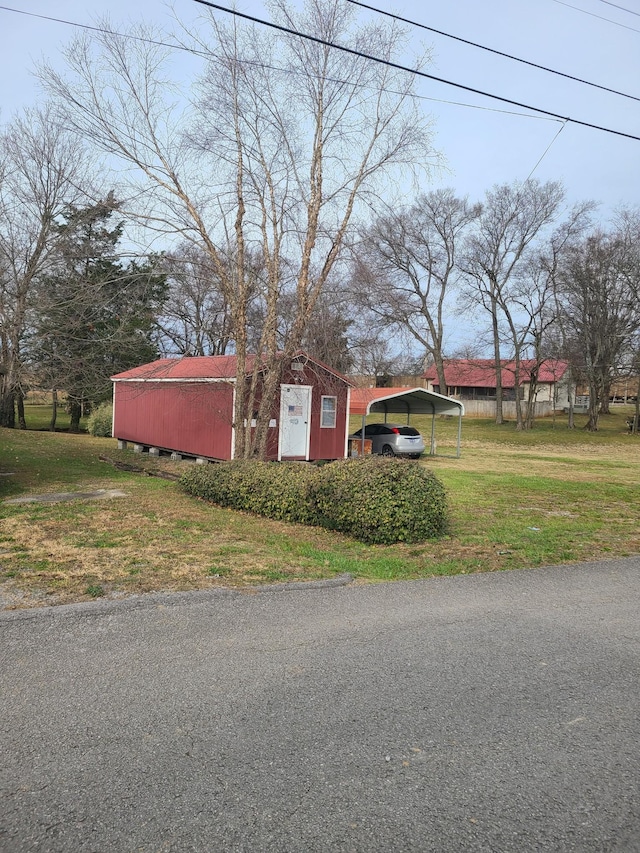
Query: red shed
[{"x": 186, "y": 405}]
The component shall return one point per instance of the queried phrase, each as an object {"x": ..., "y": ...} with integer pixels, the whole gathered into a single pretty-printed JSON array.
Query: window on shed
[{"x": 329, "y": 410}]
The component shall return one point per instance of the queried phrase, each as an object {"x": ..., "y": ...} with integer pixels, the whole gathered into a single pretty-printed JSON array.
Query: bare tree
[
  {"x": 284, "y": 139},
  {"x": 514, "y": 215},
  {"x": 406, "y": 267},
  {"x": 327, "y": 336},
  {"x": 196, "y": 318},
  {"x": 533, "y": 305},
  {"x": 598, "y": 288},
  {"x": 43, "y": 171}
]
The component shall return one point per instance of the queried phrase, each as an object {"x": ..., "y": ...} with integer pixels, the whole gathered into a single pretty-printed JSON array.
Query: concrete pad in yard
[{"x": 54, "y": 497}]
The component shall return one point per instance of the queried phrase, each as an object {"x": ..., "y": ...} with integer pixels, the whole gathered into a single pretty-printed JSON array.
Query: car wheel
[{"x": 387, "y": 451}]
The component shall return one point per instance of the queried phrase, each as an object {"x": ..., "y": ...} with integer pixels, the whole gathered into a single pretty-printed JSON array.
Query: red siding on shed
[
  {"x": 328, "y": 443},
  {"x": 192, "y": 418},
  {"x": 169, "y": 404},
  {"x": 325, "y": 443}
]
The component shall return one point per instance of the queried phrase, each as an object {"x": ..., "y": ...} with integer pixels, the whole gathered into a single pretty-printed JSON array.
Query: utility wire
[
  {"x": 413, "y": 71},
  {"x": 546, "y": 151},
  {"x": 624, "y": 8},
  {"x": 593, "y": 15},
  {"x": 208, "y": 55},
  {"x": 551, "y": 116},
  {"x": 96, "y": 29},
  {"x": 492, "y": 50}
]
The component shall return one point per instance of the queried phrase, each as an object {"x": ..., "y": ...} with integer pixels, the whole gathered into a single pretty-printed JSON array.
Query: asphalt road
[{"x": 494, "y": 712}]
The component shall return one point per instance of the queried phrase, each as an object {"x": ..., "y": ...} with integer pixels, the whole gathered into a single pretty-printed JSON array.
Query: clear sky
[{"x": 594, "y": 40}]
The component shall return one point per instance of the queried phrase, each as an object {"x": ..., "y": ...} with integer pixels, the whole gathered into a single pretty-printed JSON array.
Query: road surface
[{"x": 492, "y": 712}]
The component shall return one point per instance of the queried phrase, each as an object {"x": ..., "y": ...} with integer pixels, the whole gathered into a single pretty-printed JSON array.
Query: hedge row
[{"x": 375, "y": 499}]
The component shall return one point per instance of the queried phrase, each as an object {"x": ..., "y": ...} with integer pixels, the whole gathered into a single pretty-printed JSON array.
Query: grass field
[{"x": 516, "y": 500}]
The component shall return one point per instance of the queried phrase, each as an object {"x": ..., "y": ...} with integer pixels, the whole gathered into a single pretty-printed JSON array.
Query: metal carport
[{"x": 405, "y": 401}]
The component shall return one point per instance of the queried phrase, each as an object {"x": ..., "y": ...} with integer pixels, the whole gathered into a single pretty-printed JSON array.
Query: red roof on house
[
  {"x": 201, "y": 367},
  {"x": 481, "y": 372}
]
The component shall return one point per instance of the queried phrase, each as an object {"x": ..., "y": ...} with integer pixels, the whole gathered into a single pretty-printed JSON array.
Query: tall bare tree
[
  {"x": 598, "y": 290},
  {"x": 407, "y": 265},
  {"x": 284, "y": 138},
  {"x": 513, "y": 216},
  {"x": 43, "y": 171},
  {"x": 535, "y": 320}
]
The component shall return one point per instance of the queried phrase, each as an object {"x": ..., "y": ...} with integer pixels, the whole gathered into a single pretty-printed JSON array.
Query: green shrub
[
  {"x": 275, "y": 490},
  {"x": 380, "y": 500},
  {"x": 100, "y": 420},
  {"x": 374, "y": 499}
]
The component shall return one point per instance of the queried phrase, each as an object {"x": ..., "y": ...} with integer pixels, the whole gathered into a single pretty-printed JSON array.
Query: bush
[
  {"x": 374, "y": 499},
  {"x": 100, "y": 421},
  {"x": 275, "y": 490},
  {"x": 380, "y": 500}
]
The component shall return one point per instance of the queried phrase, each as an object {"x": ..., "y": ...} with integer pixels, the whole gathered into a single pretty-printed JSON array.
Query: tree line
[
  {"x": 548, "y": 281},
  {"x": 274, "y": 185}
]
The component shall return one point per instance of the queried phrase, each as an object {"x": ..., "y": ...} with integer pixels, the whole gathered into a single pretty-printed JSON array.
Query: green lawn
[
  {"x": 38, "y": 417},
  {"x": 516, "y": 500}
]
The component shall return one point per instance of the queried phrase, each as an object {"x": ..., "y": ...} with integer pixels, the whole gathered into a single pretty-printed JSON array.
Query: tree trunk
[
  {"x": 54, "y": 410},
  {"x": 594, "y": 406},
  {"x": 8, "y": 408},
  {"x": 516, "y": 383},
  {"x": 22, "y": 423},
  {"x": 75, "y": 410},
  {"x": 498, "y": 361},
  {"x": 439, "y": 363},
  {"x": 604, "y": 403},
  {"x": 531, "y": 402}
]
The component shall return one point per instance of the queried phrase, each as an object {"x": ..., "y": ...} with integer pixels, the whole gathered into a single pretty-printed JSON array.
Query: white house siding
[{"x": 545, "y": 393}]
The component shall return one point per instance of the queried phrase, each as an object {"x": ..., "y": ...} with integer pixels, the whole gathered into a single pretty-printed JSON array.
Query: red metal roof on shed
[
  {"x": 204, "y": 367},
  {"x": 193, "y": 367}
]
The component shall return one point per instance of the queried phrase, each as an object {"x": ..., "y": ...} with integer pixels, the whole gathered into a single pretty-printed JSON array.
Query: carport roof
[{"x": 411, "y": 401}]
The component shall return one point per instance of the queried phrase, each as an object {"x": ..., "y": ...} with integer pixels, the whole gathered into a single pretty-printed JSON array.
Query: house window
[{"x": 329, "y": 409}]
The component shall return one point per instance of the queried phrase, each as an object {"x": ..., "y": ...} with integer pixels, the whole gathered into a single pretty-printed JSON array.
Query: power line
[
  {"x": 546, "y": 151},
  {"x": 593, "y": 15},
  {"x": 476, "y": 107},
  {"x": 624, "y": 8},
  {"x": 492, "y": 50},
  {"x": 173, "y": 46},
  {"x": 97, "y": 29},
  {"x": 207, "y": 55},
  {"x": 414, "y": 71}
]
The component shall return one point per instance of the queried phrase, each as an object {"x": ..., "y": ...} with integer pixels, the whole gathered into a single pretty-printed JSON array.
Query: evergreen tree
[{"x": 96, "y": 314}]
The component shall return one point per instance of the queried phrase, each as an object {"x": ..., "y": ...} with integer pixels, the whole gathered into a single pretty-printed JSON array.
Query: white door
[{"x": 295, "y": 415}]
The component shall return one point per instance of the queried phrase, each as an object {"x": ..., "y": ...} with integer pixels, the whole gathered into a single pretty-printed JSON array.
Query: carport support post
[
  {"x": 364, "y": 423},
  {"x": 433, "y": 431},
  {"x": 459, "y": 432}
]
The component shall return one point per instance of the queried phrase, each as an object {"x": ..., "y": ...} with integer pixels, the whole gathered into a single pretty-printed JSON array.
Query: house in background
[
  {"x": 186, "y": 405},
  {"x": 625, "y": 389},
  {"x": 474, "y": 379}
]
